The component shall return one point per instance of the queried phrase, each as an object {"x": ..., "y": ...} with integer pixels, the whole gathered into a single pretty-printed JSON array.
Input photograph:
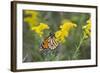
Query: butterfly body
[{"x": 50, "y": 42}]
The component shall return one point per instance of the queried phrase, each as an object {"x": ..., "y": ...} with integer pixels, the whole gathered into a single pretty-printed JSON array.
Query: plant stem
[{"x": 77, "y": 49}]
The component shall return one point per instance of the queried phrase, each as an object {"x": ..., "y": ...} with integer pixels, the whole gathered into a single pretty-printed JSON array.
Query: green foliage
[{"x": 65, "y": 51}]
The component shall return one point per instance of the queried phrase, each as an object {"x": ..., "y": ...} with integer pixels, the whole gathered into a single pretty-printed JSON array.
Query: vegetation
[{"x": 71, "y": 29}]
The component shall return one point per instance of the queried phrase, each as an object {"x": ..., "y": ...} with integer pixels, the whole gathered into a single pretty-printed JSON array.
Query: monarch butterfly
[{"x": 49, "y": 42}]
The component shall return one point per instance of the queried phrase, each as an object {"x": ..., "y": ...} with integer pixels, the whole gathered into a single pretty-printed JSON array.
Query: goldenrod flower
[
  {"x": 67, "y": 26},
  {"x": 87, "y": 29},
  {"x": 31, "y": 18},
  {"x": 64, "y": 31},
  {"x": 39, "y": 29},
  {"x": 60, "y": 35}
]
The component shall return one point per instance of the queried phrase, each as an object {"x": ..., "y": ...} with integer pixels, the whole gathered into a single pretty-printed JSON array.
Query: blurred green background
[{"x": 65, "y": 51}]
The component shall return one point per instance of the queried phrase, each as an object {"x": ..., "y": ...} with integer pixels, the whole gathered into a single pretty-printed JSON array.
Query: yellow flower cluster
[
  {"x": 64, "y": 31},
  {"x": 31, "y": 18},
  {"x": 39, "y": 29},
  {"x": 87, "y": 29}
]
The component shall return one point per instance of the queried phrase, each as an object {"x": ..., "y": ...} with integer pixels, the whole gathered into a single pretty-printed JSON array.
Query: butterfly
[{"x": 49, "y": 42}]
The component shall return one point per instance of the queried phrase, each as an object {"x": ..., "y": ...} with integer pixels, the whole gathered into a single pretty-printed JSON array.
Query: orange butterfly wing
[{"x": 45, "y": 44}]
